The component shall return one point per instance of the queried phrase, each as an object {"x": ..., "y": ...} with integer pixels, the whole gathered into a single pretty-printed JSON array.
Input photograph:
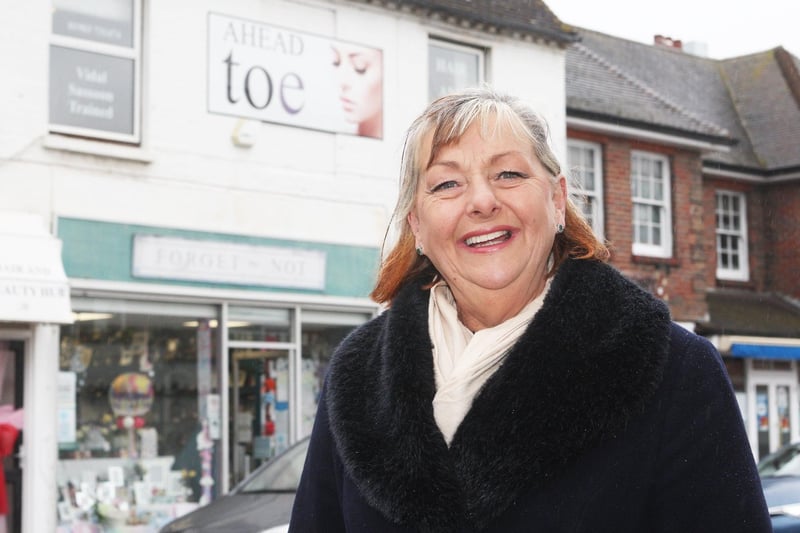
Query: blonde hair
[{"x": 448, "y": 118}]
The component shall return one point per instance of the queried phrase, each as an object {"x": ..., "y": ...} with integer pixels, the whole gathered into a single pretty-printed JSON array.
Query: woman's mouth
[{"x": 488, "y": 239}]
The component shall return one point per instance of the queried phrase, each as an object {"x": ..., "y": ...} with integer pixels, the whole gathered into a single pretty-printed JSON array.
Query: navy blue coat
[{"x": 604, "y": 417}]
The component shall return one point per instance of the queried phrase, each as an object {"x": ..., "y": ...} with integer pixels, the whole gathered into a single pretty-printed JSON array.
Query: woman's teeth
[{"x": 488, "y": 239}]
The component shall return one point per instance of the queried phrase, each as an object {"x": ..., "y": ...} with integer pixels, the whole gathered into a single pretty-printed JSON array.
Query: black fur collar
[{"x": 592, "y": 355}]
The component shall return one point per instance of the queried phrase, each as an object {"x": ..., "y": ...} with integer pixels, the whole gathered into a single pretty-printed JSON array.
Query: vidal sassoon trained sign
[{"x": 274, "y": 74}]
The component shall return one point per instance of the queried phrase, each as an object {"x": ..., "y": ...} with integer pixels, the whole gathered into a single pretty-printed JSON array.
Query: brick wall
[
  {"x": 782, "y": 222},
  {"x": 681, "y": 280},
  {"x": 773, "y": 233}
]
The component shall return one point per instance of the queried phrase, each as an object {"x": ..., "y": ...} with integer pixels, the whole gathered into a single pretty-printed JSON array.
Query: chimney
[
  {"x": 668, "y": 42},
  {"x": 696, "y": 48}
]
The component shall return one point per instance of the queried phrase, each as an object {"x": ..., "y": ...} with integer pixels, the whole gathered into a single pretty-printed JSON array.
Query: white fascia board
[
  {"x": 749, "y": 177},
  {"x": 645, "y": 135}
]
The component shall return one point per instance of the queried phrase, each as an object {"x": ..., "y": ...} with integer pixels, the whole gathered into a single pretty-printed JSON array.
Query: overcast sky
[{"x": 728, "y": 29}]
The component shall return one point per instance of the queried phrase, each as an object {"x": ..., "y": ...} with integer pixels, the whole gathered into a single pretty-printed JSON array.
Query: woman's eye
[
  {"x": 443, "y": 186},
  {"x": 510, "y": 174},
  {"x": 360, "y": 65}
]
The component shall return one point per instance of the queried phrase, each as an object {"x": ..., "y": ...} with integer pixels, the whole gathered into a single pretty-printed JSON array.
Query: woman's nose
[{"x": 482, "y": 199}]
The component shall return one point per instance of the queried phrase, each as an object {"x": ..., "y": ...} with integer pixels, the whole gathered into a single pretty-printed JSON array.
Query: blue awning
[{"x": 762, "y": 351}]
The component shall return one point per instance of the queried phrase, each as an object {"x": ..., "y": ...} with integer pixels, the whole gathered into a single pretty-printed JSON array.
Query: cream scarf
[{"x": 462, "y": 360}]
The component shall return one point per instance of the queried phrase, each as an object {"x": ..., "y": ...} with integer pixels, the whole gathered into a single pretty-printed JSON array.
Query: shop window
[
  {"x": 258, "y": 324},
  {"x": 139, "y": 419},
  {"x": 650, "y": 195},
  {"x": 95, "y": 66},
  {"x": 268, "y": 412},
  {"x": 586, "y": 172},
  {"x": 731, "y": 221},
  {"x": 322, "y": 332},
  {"x": 771, "y": 364},
  {"x": 452, "y": 67}
]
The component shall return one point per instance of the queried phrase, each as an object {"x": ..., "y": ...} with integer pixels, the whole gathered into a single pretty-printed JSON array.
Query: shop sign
[
  {"x": 262, "y": 447},
  {"x": 33, "y": 285},
  {"x": 101, "y": 21},
  {"x": 222, "y": 262},
  {"x": 91, "y": 90},
  {"x": 274, "y": 74},
  {"x": 67, "y": 407}
]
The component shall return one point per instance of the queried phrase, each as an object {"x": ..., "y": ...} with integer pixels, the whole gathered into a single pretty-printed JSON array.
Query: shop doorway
[
  {"x": 12, "y": 365},
  {"x": 261, "y": 421},
  {"x": 774, "y": 401}
]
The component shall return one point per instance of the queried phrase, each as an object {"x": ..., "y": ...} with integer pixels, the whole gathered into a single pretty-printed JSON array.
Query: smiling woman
[
  {"x": 486, "y": 215},
  {"x": 517, "y": 381}
]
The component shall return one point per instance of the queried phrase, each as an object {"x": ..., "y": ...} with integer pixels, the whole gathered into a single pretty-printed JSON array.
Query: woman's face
[
  {"x": 485, "y": 214},
  {"x": 359, "y": 74}
]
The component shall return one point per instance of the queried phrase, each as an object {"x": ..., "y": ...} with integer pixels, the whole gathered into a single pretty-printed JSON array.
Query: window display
[
  {"x": 319, "y": 341},
  {"x": 140, "y": 425},
  {"x": 138, "y": 418}
]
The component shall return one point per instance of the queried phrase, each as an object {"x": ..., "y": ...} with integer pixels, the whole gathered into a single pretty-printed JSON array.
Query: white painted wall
[
  {"x": 39, "y": 452},
  {"x": 24, "y": 33},
  {"x": 293, "y": 183}
]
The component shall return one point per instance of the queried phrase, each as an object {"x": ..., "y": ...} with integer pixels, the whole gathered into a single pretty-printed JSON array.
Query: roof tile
[
  {"x": 754, "y": 99},
  {"x": 531, "y": 18}
]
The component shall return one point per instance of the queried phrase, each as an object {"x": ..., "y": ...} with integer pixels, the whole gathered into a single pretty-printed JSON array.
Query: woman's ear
[
  {"x": 560, "y": 198},
  {"x": 413, "y": 221}
]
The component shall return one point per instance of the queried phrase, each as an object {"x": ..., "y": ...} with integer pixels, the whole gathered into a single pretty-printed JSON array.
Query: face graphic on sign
[{"x": 358, "y": 71}]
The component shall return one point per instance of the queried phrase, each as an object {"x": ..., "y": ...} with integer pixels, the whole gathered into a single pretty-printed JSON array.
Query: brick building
[{"x": 690, "y": 168}]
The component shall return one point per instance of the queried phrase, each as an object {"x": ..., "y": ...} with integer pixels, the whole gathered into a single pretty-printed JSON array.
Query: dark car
[
  {"x": 261, "y": 503},
  {"x": 780, "y": 477}
]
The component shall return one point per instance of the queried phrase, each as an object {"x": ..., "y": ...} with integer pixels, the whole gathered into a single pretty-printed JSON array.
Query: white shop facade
[{"x": 192, "y": 358}]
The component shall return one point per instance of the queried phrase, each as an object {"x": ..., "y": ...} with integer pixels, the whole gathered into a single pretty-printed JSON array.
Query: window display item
[{"x": 131, "y": 396}]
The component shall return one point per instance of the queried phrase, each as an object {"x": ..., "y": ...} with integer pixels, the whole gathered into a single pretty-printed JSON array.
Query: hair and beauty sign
[
  {"x": 33, "y": 285},
  {"x": 175, "y": 258},
  {"x": 274, "y": 74}
]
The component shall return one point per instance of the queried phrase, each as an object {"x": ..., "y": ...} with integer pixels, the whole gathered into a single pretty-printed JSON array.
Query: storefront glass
[
  {"x": 322, "y": 332},
  {"x": 258, "y": 324},
  {"x": 141, "y": 435},
  {"x": 260, "y": 406},
  {"x": 139, "y": 416}
]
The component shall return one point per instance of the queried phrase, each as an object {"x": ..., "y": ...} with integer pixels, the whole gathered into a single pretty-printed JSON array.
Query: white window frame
[
  {"x": 743, "y": 272},
  {"x": 134, "y": 52},
  {"x": 663, "y": 250},
  {"x": 477, "y": 51},
  {"x": 576, "y": 171}
]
